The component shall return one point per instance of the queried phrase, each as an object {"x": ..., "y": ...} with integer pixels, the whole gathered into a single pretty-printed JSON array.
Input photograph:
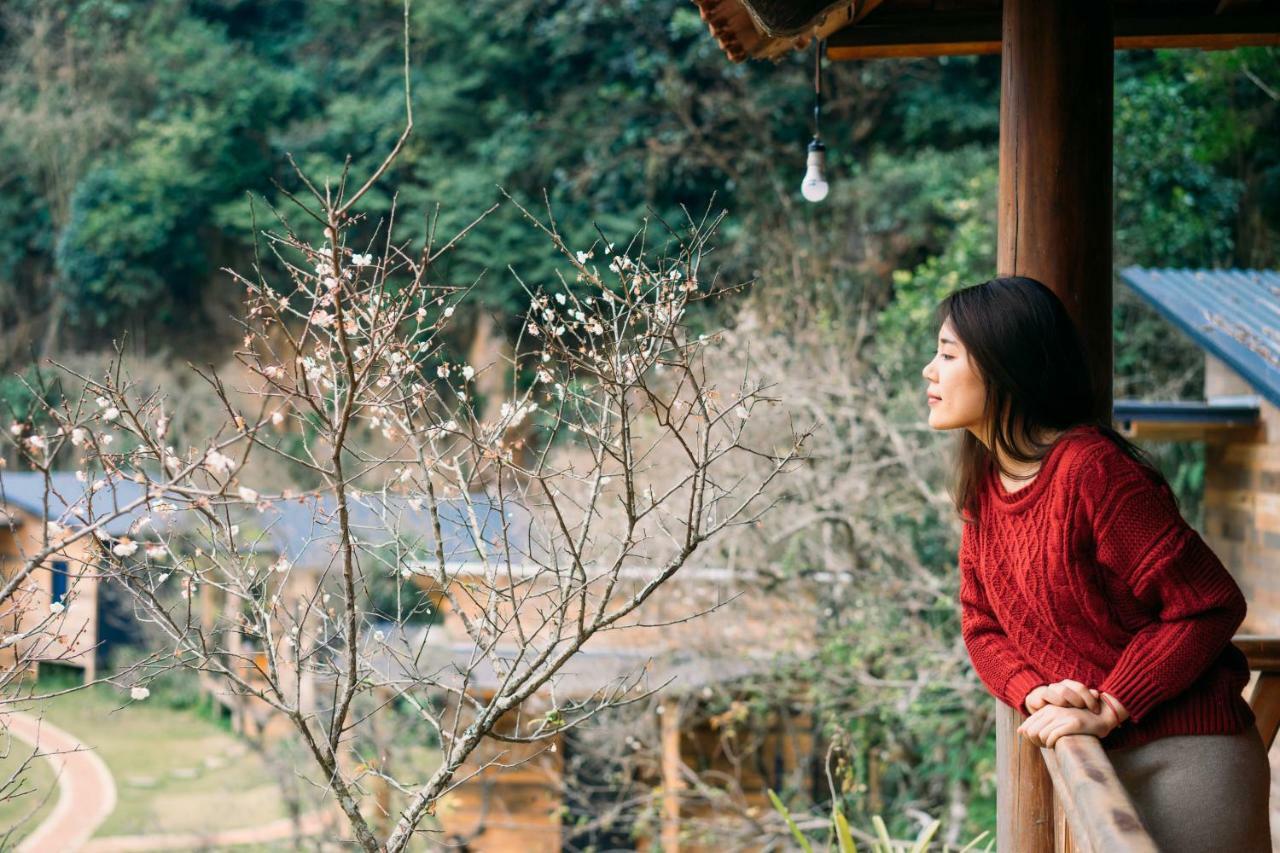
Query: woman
[{"x": 1086, "y": 599}]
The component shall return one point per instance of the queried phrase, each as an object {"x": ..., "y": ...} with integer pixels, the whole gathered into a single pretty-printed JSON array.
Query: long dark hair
[{"x": 1027, "y": 350}]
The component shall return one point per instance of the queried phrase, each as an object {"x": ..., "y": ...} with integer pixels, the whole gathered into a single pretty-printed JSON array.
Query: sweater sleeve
[
  {"x": 1195, "y": 604},
  {"x": 1000, "y": 666}
]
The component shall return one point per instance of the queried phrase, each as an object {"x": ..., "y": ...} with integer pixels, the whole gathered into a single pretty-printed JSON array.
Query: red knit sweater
[{"x": 1089, "y": 572}]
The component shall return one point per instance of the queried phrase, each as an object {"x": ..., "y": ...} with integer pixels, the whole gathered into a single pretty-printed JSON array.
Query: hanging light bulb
[{"x": 814, "y": 187}]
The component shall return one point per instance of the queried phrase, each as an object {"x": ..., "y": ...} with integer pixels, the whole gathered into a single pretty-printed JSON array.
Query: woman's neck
[{"x": 1016, "y": 468}]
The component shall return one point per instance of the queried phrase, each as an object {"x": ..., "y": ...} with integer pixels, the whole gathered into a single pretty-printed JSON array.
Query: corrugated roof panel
[{"x": 1234, "y": 314}]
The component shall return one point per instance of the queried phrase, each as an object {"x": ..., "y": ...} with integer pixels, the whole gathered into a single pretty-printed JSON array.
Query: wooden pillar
[
  {"x": 672, "y": 784},
  {"x": 1055, "y": 226},
  {"x": 1024, "y": 790},
  {"x": 1055, "y": 162}
]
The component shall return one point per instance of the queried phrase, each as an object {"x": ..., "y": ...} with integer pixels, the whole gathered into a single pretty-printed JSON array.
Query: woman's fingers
[
  {"x": 1064, "y": 696},
  {"x": 1033, "y": 725},
  {"x": 1072, "y": 694}
]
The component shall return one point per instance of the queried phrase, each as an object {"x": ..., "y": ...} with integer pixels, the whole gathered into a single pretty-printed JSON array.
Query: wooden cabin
[
  {"x": 1234, "y": 317},
  {"x": 1054, "y": 223},
  {"x": 67, "y": 578},
  {"x": 695, "y": 721}
]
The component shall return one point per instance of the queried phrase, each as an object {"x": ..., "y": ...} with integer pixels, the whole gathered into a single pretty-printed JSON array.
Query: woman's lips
[{"x": 933, "y": 399}]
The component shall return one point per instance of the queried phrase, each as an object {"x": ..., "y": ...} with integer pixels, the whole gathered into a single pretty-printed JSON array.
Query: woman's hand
[
  {"x": 1065, "y": 693},
  {"x": 1050, "y": 722}
]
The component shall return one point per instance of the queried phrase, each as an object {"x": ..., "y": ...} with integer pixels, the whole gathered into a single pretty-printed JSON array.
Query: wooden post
[
  {"x": 1055, "y": 162},
  {"x": 672, "y": 784},
  {"x": 1054, "y": 226},
  {"x": 1024, "y": 790}
]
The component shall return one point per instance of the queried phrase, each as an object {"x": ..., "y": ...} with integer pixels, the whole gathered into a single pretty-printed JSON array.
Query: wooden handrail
[
  {"x": 1083, "y": 789},
  {"x": 1095, "y": 802},
  {"x": 1264, "y": 658}
]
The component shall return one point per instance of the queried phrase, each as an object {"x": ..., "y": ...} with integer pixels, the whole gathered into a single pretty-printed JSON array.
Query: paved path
[
  {"x": 280, "y": 830},
  {"x": 86, "y": 791}
]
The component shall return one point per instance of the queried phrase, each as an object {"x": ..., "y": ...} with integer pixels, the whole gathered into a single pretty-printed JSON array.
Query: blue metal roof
[
  {"x": 1234, "y": 314},
  {"x": 305, "y": 531},
  {"x": 68, "y": 499}
]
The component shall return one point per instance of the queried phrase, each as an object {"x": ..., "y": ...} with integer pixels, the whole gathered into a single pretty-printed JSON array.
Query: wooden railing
[{"x": 1069, "y": 798}]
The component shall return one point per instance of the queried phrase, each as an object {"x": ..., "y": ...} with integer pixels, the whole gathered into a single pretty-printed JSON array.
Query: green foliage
[
  {"x": 25, "y": 396},
  {"x": 841, "y": 834}
]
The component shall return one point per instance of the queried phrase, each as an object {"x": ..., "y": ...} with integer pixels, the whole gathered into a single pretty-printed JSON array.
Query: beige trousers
[{"x": 1201, "y": 793}]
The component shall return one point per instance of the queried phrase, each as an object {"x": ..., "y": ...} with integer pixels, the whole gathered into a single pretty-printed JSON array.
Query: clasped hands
[{"x": 1067, "y": 707}]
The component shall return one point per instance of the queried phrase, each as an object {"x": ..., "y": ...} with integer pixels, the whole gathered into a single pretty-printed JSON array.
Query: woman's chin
[{"x": 939, "y": 421}]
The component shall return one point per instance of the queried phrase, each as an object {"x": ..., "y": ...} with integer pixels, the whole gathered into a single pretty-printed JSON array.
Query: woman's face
[{"x": 956, "y": 393}]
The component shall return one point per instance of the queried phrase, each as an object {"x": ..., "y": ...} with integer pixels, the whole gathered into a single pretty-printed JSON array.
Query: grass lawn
[{"x": 175, "y": 770}]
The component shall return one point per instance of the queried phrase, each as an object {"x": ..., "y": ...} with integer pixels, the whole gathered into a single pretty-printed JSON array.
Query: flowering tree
[{"x": 521, "y": 523}]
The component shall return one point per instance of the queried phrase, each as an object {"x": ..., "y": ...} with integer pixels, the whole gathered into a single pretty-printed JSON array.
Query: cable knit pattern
[{"x": 1090, "y": 572}]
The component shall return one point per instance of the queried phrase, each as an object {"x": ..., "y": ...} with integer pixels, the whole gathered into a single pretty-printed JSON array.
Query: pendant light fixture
[{"x": 814, "y": 186}]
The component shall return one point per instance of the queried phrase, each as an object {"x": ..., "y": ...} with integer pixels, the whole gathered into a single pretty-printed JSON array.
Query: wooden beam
[
  {"x": 672, "y": 783},
  {"x": 965, "y": 33},
  {"x": 1054, "y": 212},
  {"x": 1224, "y": 433}
]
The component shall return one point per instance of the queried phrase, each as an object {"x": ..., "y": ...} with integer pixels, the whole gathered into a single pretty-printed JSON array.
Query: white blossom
[
  {"x": 560, "y": 298},
  {"x": 468, "y": 371},
  {"x": 138, "y": 693},
  {"x": 247, "y": 494},
  {"x": 56, "y": 607},
  {"x": 124, "y": 548},
  {"x": 156, "y": 552},
  {"x": 361, "y": 260},
  {"x": 219, "y": 463},
  {"x": 448, "y": 312},
  {"x": 79, "y": 436},
  {"x": 103, "y": 402},
  {"x": 111, "y": 414}
]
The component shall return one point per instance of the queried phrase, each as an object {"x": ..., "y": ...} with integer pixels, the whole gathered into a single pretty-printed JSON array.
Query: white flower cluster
[
  {"x": 515, "y": 413},
  {"x": 219, "y": 463}
]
